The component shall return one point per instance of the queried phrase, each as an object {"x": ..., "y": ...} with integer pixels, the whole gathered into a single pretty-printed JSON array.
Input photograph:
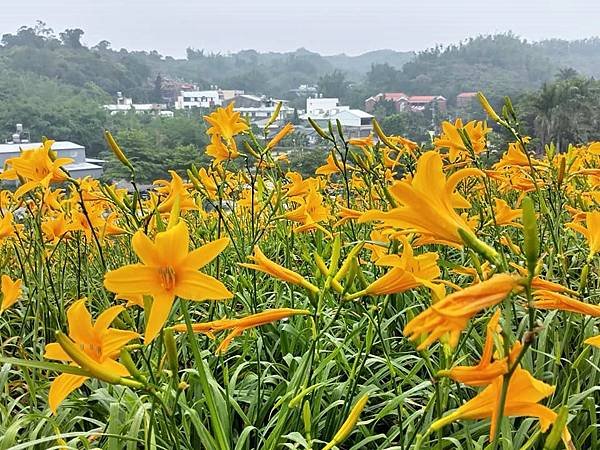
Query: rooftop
[{"x": 59, "y": 145}]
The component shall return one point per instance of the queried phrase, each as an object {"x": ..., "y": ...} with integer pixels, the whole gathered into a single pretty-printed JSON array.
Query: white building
[
  {"x": 125, "y": 105},
  {"x": 79, "y": 168},
  {"x": 323, "y": 106},
  {"x": 204, "y": 99},
  {"x": 355, "y": 122},
  {"x": 259, "y": 115}
]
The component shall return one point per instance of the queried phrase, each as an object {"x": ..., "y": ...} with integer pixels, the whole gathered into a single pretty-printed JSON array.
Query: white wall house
[
  {"x": 322, "y": 106},
  {"x": 261, "y": 114},
  {"x": 125, "y": 105},
  {"x": 79, "y": 168},
  {"x": 199, "y": 99},
  {"x": 355, "y": 122}
]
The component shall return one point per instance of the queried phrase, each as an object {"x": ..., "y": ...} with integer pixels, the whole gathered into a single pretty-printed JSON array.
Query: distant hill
[{"x": 362, "y": 63}]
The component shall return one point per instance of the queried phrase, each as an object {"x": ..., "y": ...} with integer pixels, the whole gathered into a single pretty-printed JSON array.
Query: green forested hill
[{"x": 54, "y": 84}]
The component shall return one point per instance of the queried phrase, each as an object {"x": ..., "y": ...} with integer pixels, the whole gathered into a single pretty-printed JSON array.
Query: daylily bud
[
  {"x": 318, "y": 129},
  {"x": 127, "y": 361},
  {"x": 306, "y": 417},
  {"x": 480, "y": 247},
  {"x": 274, "y": 116},
  {"x": 531, "y": 242},
  {"x": 96, "y": 369},
  {"x": 335, "y": 253},
  {"x": 117, "y": 150},
  {"x": 381, "y": 135},
  {"x": 171, "y": 349},
  {"x": 348, "y": 261},
  {"x": 561, "y": 170},
  {"x": 349, "y": 424},
  {"x": 488, "y": 108}
]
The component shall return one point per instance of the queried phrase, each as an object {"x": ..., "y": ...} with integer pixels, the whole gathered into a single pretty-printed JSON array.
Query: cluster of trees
[
  {"x": 564, "y": 111},
  {"x": 55, "y": 85}
]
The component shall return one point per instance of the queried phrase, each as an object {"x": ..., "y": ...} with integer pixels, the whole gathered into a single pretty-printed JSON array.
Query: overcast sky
[{"x": 325, "y": 26}]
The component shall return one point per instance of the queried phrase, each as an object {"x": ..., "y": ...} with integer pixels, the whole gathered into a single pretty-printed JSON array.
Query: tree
[
  {"x": 157, "y": 92},
  {"x": 72, "y": 38},
  {"x": 334, "y": 84},
  {"x": 383, "y": 78}
]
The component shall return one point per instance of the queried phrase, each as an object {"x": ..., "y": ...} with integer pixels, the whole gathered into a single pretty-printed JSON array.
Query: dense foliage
[{"x": 405, "y": 296}]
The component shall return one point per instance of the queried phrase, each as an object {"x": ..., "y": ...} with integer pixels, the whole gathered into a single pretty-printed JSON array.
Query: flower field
[{"x": 406, "y": 296}]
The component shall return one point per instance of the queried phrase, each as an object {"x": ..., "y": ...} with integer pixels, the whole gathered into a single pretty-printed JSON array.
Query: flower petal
[
  {"x": 61, "y": 387},
  {"x": 134, "y": 279},
  {"x": 159, "y": 313},
  {"x": 194, "y": 285},
  {"x": 80, "y": 322},
  {"x": 55, "y": 351},
  {"x": 205, "y": 254}
]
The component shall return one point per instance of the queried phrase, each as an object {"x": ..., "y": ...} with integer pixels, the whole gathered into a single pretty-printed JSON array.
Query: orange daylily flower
[
  {"x": 220, "y": 151},
  {"x": 226, "y": 123},
  {"x": 487, "y": 370},
  {"x": 554, "y": 301},
  {"x": 428, "y": 202},
  {"x": 408, "y": 272},
  {"x": 449, "y": 316},
  {"x": 168, "y": 270},
  {"x": 7, "y": 228},
  {"x": 37, "y": 167},
  {"x": 452, "y": 140},
  {"x": 310, "y": 212},
  {"x": 522, "y": 400},
  {"x": 97, "y": 341},
  {"x": 332, "y": 166},
  {"x": 11, "y": 292},
  {"x": 238, "y": 326},
  {"x": 591, "y": 231},
  {"x": 287, "y": 129},
  {"x": 504, "y": 214},
  {"x": 176, "y": 190}
]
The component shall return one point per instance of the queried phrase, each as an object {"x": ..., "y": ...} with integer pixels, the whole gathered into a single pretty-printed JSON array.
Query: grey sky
[{"x": 326, "y": 26}]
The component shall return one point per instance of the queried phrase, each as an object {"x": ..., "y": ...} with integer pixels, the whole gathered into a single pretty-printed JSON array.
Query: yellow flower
[
  {"x": 515, "y": 157},
  {"x": 287, "y": 129},
  {"x": 545, "y": 299},
  {"x": 428, "y": 203},
  {"x": 297, "y": 186},
  {"x": 99, "y": 342},
  {"x": 238, "y": 326},
  {"x": 487, "y": 370},
  {"x": 449, "y": 316},
  {"x": 592, "y": 232},
  {"x": 11, "y": 291},
  {"x": 363, "y": 142},
  {"x": 504, "y": 214},
  {"x": 408, "y": 272},
  {"x": 310, "y": 212},
  {"x": 168, "y": 270},
  {"x": 333, "y": 165},
  {"x": 7, "y": 228},
  {"x": 208, "y": 181},
  {"x": 37, "y": 167},
  {"x": 347, "y": 214},
  {"x": 225, "y": 123},
  {"x": 176, "y": 190},
  {"x": 54, "y": 228},
  {"x": 452, "y": 140},
  {"x": 220, "y": 151},
  {"x": 264, "y": 264},
  {"x": 522, "y": 400}
]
